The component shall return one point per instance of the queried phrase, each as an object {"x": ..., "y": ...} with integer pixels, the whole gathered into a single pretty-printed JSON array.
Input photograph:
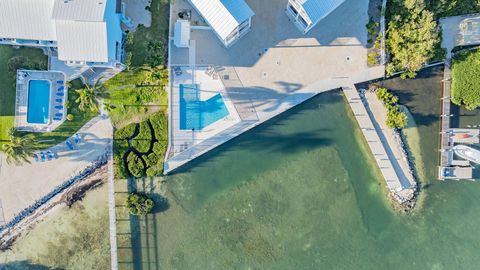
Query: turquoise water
[
  {"x": 38, "y": 101},
  {"x": 197, "y": 114},
  {"x": 300, "y": 192}
]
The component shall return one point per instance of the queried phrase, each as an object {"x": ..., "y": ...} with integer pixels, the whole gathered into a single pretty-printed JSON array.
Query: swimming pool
[
  {"x": 38, "y": 101},
  {"x": 197, "y": 114}
]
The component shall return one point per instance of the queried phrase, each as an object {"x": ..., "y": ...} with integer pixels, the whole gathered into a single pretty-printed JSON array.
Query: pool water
[
  {"x": 38, "y": 101},
  {"x": 197, "y": 114}
]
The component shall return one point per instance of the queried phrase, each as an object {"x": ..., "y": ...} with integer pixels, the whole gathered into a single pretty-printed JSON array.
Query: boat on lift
[{"x": 466, "y": 152}]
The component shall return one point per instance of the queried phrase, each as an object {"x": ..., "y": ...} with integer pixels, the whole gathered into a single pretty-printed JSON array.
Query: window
[{"x": 292, "y": 9}]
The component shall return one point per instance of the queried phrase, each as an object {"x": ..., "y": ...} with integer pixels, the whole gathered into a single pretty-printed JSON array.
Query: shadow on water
[
  {"x": 265, "y": 138},
  {"x": 25, "y": 265},
  {"x": 144, "y": 229}
]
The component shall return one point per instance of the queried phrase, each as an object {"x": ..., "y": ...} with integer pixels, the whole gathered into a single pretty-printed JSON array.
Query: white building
[
  {"x": 229, "y": 19},
  {"x": 305, "y": 14},
  {"x": 80, "y": 36}
]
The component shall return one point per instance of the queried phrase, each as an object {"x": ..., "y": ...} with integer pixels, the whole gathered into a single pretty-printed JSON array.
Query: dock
[
  {"x": 401, "y": 190},
  {"x": 450, "y": 168},
  {"x": 445, "y": 117}
]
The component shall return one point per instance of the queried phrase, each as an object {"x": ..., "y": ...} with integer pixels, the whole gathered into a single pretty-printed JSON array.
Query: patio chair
[
  {"x": 77, "y": 138},
  {"x": 42, "y": 156},
  {"x": 35, "y": 156},
  {"x": 50, "y": 155},
  {"x": 69, "y": 145}
]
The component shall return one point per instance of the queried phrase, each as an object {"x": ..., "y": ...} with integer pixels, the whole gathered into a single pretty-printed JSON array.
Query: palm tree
[
  {"x": 19, "y": 149},
  {"x": 89, "y": 96}
]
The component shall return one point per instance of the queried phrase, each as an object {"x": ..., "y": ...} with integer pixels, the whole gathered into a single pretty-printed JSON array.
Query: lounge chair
[
  {"x": 61, "y": 88},
  {"x": 57, "y": 119},
  {"x": 60, "y": 94},
  {"x": 69, "y": 145},
  {"x": 59, "y": 114},
  {"x": 59, "y": 107},
  {"x": 59, "y": 100},
  {"x": 50, "y": 155},
  {"x": 35, "y": 156},
  {"x": 42, "y": 156},
  {"x": 60, "y": 82},
  {"x": 77, "y": 138}
]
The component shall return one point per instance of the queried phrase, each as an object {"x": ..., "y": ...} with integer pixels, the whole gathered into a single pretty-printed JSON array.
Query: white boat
[{"x": 468, "y": 153}]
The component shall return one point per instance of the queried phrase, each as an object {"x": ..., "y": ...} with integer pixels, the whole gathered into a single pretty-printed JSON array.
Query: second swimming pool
[
  {"x": 38, "y": 101},
  {"x": 197, "y": 114}
]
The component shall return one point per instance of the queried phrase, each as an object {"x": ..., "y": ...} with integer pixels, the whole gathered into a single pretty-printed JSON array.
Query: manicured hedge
[
  {"x": 125, "y": 132},
  {"x": 135, "y": 165},
  {"x": 143, "y": 140}
]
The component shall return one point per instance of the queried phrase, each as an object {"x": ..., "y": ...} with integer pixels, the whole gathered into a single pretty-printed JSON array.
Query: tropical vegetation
[
  {"x": 140, "y": 147},
  {"x": 89, "y": 96},
  {"x": 395, "y": 117},
  {"x": 466, "y": 79},
  {"x": 139, "y": 204},
  {"x": 19, "y": 149}
]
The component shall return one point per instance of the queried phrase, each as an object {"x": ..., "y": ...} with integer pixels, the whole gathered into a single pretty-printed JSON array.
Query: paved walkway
[
  {"x": 22, "y": 185},
  {"x": 379, "y": 148}
]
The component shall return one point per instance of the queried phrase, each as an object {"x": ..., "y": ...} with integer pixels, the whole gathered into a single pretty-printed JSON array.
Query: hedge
[
  {"x": 125, "y": 132},
  {"x": 135, "y": 165}
]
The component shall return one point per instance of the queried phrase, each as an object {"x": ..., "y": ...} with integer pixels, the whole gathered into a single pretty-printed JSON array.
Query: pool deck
[
  {"x": 397, "y": 178},
  {"x": 21, "y": 105},
  {"x": 272, "y": 68}
]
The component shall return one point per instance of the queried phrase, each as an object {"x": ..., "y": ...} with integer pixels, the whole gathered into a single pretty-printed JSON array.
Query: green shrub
[
  {"x": 159, "y": 123},
  {"x": 70, "y": 117},
  {"x": 125, "y": 132},
  {"x": 152, "y": 171},
  {"x": 119, "y": 167},
  {"x": 22, "y": 62},
  {"x": 372, "y": 58},
  {"x": 395, "y": 117},
  {"x": 144, "y": 138},
  {"x": 466, "y": 79},
  {"x": 135, "y": 165},
  {"x": 139, "y": 204}
]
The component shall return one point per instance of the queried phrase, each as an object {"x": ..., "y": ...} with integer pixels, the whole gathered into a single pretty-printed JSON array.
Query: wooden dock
[{"x": 445, "y": 118}]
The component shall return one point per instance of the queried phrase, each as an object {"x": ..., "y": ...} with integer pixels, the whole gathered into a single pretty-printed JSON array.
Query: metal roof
[
  {"x": 319, "y": 9},
  {"x": 27, "y": 19},
  {"x": 223, "y": 15},
  {"x": 82, "y": 41},
  {"x": 79, "y": 10}
]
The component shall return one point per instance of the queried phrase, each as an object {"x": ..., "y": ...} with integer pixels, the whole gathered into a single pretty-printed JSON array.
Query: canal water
[{"x": 302, "y": 192}]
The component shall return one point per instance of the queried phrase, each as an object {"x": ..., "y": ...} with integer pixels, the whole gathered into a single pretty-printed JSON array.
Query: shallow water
[{"x": 300, "y": 192}]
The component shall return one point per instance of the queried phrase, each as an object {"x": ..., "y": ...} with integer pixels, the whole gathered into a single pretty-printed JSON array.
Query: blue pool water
[
  {"x": 38, "y": 101},
  {"x": 197, "y": 114}
]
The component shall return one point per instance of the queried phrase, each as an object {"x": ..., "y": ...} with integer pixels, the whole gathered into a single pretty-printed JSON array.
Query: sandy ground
[{"x": 22, "y": 185}]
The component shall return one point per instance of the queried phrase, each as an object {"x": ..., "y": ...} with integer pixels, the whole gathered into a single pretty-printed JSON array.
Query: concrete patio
[{"x": 275, "y": 67}]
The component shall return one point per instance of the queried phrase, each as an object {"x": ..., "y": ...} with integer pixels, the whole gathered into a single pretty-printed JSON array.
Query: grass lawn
[
  {"x": 136, "y": 93},
  {"x": 7, "y": 84},
  {"x": 466, "y": 79}
]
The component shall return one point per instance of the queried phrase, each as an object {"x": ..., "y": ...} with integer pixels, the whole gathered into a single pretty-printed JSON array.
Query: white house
[
  {"x": 305, "y": 14},
  {"x": 80, "y": 36},
  {"x": 229, "y": 19}
]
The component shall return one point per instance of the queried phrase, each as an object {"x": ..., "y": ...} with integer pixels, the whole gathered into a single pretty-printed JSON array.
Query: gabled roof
[
  {"x": 79, "y": 10},
  {"x": 27, "y": 19},
  {"x": 319, "y": 9},
  {"x": 82, "y": 41},
  {"x": 223, "y": 15}
]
